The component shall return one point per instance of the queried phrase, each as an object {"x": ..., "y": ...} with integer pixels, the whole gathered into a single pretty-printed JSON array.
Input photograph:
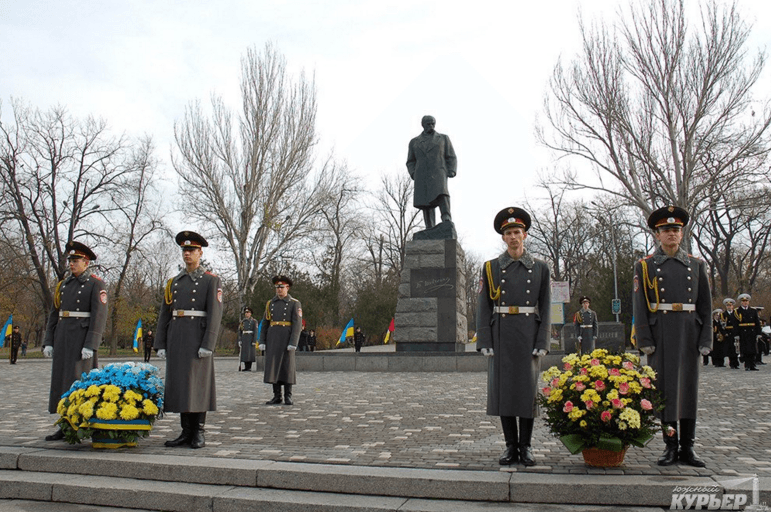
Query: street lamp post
[{"x": 615, "y": 258}]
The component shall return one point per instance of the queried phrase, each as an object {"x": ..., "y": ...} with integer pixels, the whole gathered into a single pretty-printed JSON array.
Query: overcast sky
[{"x": 479, "y": 67}]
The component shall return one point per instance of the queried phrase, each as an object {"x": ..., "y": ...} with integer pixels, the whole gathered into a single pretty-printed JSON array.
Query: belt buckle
[
  {"x": 65, "y": 314},
  {"x": 513, "y": 310},
  {"x": 677, "y": 306},
  {"x": 180, "y": 312}
]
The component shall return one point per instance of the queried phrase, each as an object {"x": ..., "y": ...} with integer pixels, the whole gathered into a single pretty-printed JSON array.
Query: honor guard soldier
[
  {"x": 672, "y": 313},
  {"x": 585, "y": 321},
  {"x": 75, "y": 325},
  {"x": 719, "y": 340},
  {"x": 188, "y": 324},
  {"x": 247, "y": 338},
  {"x": 749, "y": 332},
  {"x": 279, "y": 336},
  {"x": 513, "y": 311},
  {"x": 730, "y": 324}
]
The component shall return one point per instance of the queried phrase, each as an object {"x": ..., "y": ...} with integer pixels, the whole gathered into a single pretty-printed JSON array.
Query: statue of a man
[{"x": 431, "y": 160}]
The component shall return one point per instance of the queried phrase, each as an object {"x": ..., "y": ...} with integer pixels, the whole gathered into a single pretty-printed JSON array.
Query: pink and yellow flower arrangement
[{"x": 600, "y": 400}]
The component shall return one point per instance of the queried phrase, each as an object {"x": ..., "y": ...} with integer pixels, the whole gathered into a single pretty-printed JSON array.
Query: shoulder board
[
  {"x": 295, "y": 300},
  {"x": 97, "y": 277},
  {"x": 210, "y": 273},
  {"x": 695, "y": 257},
  {"x": 645, "y": 258}
]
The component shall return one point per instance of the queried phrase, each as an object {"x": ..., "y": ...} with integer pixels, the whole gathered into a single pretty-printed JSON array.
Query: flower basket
[
  {"x": 600, "y": 458},
  {"x": 114, "y": 406},
  {"x": 600, "y": 404}
]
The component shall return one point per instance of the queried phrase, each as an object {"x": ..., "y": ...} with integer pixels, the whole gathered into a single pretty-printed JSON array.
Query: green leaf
[
  {"x": 573, "y": 442},
  {"x": 641, "y": 440},
  {"x": 612, "y": 444}
]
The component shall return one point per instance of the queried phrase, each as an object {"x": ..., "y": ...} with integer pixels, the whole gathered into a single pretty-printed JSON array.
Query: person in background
[
  {"x": 247, "y": 338},
  {"x": 719, "y": 341},
  {"x": 13, "y": 341},
  {"x": 749, "y": 332},
  {"x": 279, "y": 335},
  {"x": 148, "y": 340},
  {"x": 303, "y": 343},
  {"x": 585, "y": 321},
  {"x": 312, "y": 340},
  {"x": 358, "y": 339},
  {"x": 730, "y": 324}
]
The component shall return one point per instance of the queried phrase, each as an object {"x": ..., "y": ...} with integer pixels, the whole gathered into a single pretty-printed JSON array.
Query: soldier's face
[
  {"x": 745, "y": 303},
  {"x": 282, "y": 289},
  {"x": 514, "y": 238},
  {"x": 669, "y": 236},
  {"x": 585, "y": 304},
  {"x": 78, "y": 265},
  {"x": 192, "y": 256},
  {"x": 729, "y": 306}
]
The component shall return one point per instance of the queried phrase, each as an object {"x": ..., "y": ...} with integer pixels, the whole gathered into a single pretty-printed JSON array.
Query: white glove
[
  {"x": 262, "y": 346},
  {"x": 488, "y": 352},
  {"x": 202, "y": 352},
  {"x": 579, "y": 338},
  {"x": 161, "y": 353},
  {"x": 48, "y": 351},
  {"x": 704, "y": 351},
  {"x": 86, "y": 353},
  {"x": 539, "y": 352},
  {"x": 648, "y": 350},
  {"x": 239, "y": 344},
  {"x": 291, "y": 348}
]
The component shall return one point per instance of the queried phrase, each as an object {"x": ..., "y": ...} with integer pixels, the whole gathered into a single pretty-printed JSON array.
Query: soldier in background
[
  {"x": 585, "y": 321},
  {"x": 279, "y": 335},
  {"x": 513, "y": 327},
  {"x": 188, "y": 324},
  {"x": 749, "y": 331},
  {"x": 672, "y": 309},
  {"x": 247, "y": 338},
  {"x": 75, "y": 325},
  {"x": 719, "y": 340},
  {"x": 731, "y": 331},
  {"x": 148, "y": 341},
  {"x": 14, "y": 343}
]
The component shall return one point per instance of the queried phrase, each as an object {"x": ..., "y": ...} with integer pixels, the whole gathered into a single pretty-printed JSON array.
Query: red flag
[{"x": 388, "y": 334}]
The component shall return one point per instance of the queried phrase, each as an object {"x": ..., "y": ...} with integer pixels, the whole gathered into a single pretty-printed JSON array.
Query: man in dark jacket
[
  {"x": 672, "y": 318},
  {"x": 247, "y": 337},
  {"x": 148, "y": 341},
  {"x": 14, "y": 343},
  {"x": 513, "y": 328},
  {"x": 749, "y": 332},
  {"x": 279, "y": 335},
  {"x": 731, "y": 330},
  {"x": 358, "y": 339},
  {"x": 75, "y": 325},
  {"x": 188, "y": 324},
  {"x": 585, "y": 322},
  {"x": 430, "y": 161}
]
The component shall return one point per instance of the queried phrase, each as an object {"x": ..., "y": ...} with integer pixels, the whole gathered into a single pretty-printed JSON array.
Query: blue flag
[
  {"x": 137, "y": 335},
  {"x": 347, "y": 332},
  {"x": 7, "y": 330}
]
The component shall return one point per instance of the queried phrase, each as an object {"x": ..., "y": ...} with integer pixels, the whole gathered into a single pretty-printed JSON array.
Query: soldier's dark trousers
[
  {"x": 687, "y": 439},
  {"x": 187, "y": 431},
  {"x": 276, "y": 395},
  {"x": 669, "y": 431},
  {"x": 247, "y": 366},
  {"x": 525, "y": 435},
  {"x": 288, "y": 394},
  {"x": 511, "y": 454},
  {"x": 197, "y": 422}
]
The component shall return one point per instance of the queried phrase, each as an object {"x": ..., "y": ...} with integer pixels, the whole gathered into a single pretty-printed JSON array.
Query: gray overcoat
[
  {"x": 677, "y": 335},
  {"x": 69, "y": 335},
  {"x": 512, "y": 376},
  {"x": 586, "y": 327},
  {"x": 430, "y": 161},
  {"x": 280, "y": 365},
  {"x": 190, "y": 385},
  {"x": 247, "y": 336}
]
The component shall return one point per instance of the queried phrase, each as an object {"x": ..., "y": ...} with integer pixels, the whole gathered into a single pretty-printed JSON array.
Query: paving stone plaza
[{"x": 402, "y": 420}]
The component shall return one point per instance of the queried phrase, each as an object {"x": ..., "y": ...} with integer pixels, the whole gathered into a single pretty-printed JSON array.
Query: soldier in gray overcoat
[
  {"x": 513, "y": 326},
  {"x": 75, "y": 325},
  {"x": 188, "y": 324},
  {"x": 585, "y": 321},
  {"x": 673, "y": 322},
  {"x": 430, "y": 161},
  {"x": 279, "y": 336},
  {"x": 247, "y": 337}
]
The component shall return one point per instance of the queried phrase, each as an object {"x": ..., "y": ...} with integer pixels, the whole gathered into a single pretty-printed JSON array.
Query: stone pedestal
[
  {"x": 610, "y": 336},
  {"x": 431, "y": 310}
]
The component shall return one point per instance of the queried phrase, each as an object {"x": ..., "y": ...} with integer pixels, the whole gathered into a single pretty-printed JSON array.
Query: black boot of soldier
[
  {"x": 511, "y": 454},
  {"x": 56, "y": 436},
  {"x": 669, "y": 456},
  {"x": 525, "y": 434},
  {"x": 198, "y": 420},
  {"x": 184, "y": 437},
  {"x": 687, "y": 438},
  {"x": 288, "y": 394},
  {"x": 276, "y": 395}
]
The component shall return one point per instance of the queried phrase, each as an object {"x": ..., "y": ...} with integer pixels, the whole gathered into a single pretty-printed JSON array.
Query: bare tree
[
  {"x": 661, "y": 109},
  {"x": 247, "y": 174},
  {"x": 57, "y": 175}
]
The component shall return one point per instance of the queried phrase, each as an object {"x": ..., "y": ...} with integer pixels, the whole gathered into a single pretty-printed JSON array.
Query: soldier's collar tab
[
  {"x": 682, "y": 256},
  {"x": 526, "y": 259}
]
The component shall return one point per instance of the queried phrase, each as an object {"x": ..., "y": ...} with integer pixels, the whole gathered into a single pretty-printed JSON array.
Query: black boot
[
  {"x": 56, "y": 436},
  {"x": 511, "y": 455},
  {"x": 525, "y": 434},
  {"x": 687, "y": 438},
  {"x": 288, "y": 394},
  {"x": 276, "y": 395},
  {"x": 669, "y": 456},
  {"x": 184, "y": 437},
  {"x": 198, "y": 420}
]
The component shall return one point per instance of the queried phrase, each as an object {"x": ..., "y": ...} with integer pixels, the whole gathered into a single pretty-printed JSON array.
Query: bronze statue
[{"x": 431, "y": 160}]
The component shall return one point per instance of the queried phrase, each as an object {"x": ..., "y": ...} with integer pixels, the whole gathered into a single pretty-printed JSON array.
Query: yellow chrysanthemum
[
  {"x": 111, "y": 393},
  {"x": 86, "y": 409},
  {"x": 129, "y": 412},
  {"x": 598, "y": 372},
  {"x": 149, "y": 407},
  {"x": 93, "y": 390},
  {"x": 107, "y": 411},
  {"x": 631, "y": 417},
  {"x": 583, "y": 424},
  {"x": 621, "y": 425},
  {"x": 613, "y": 393},
  {"x": 61, "y": 408},
  {"x": 576, "y": 413},
  {"x": 132, "y": 397}
]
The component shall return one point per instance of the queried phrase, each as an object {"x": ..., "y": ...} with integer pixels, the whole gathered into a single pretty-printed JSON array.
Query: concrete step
[{"x": 189, "y": 483}]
